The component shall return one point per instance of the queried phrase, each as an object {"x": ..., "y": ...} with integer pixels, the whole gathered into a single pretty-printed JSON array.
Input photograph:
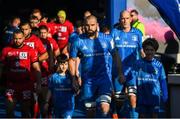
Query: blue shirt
[
  {"x": 150, "y": 79},
  {"x": 73, "y": 36},
  {"x": 8, "y": 34},
  {"x": 61, "y": 89},
  {"x": 129, "y": 45},
  {"x": 95, "y": 56}
]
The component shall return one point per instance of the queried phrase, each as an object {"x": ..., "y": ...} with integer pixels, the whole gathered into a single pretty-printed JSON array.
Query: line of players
[{"x": 106, "y": 67}]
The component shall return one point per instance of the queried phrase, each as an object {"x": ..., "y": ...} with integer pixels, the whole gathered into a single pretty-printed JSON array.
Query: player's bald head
[
  {"x": 124, "y": 13},
  {"x": 91, "y": 17}
]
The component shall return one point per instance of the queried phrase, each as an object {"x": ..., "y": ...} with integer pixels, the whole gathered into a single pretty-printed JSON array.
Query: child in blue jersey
[
  {"x": 60, "y": 88},
  {"x": 147, "y": 80}
]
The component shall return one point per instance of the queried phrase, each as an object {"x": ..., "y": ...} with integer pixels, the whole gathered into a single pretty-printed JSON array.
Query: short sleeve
[
  {"x": 54, "y": 44},
  {"x": 39, "y": 46},
  {"x": 74, "y": 49},
  {"x": 140, "y": 38},
  {"x": 33, "y": 55}
]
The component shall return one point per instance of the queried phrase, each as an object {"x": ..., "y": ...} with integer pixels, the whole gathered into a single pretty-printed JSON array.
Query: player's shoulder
[
  {"x": 27, "y": 47},
  {"x": 50, "y": 39},
  {"x": 68, "y": 22},
  {"x": 157, "y": 62},
  {"x": 104, "y": 36},
  {"x": 54, "y": 75},
  {"x": 135, "y": 30},
  {"x": 115, "y": 30}
]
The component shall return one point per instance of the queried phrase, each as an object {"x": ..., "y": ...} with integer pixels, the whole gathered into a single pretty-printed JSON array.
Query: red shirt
[
  {"x": 50, "y": 41},
  {"x": 50, "y": 26},
  {"x": 63, "y": 31},
  {"x": 18, "y": 62},
  {"x": 34, "y": 42}
]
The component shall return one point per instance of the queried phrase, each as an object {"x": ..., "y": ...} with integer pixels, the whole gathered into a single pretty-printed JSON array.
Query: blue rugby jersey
[
  {"x": 150, "y": 79},
  {"x": 63, "y": 96},
  {"x": 95, "y": 56},
  {"x": 129, "y": 45}
]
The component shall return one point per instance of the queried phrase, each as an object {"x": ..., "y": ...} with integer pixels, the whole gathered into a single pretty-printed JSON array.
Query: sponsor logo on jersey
[
  {"x": 117, "y": 38},
  {"x": 125, "y": 42},
  {"x": 84, "y": 48},
  {"x": 23, "y": 55},
  {"x": 30, "y": 44}
]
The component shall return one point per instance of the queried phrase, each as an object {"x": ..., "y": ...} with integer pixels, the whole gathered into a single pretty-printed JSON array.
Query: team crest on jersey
[
  {"x": 23, "y": 55},
  {"x": 134, "y": 38},
  {"x": 63, "y": 29},
  {"x": 31, "y": 44}
]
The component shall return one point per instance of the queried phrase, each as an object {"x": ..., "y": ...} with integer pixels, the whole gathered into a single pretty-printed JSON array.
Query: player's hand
[
  {"x": 76, "y": 82},
  {"x": 79, "y": 78}
]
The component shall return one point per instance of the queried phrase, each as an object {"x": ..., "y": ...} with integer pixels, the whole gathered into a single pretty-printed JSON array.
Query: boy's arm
[{"x": 163, "y": 85}]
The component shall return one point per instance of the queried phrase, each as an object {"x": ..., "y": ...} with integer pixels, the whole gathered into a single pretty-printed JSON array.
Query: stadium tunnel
[{"x": 74, "y": 8}]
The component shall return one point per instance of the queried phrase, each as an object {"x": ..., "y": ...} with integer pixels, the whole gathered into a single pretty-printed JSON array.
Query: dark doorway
[{"x": 74, "y": 8}]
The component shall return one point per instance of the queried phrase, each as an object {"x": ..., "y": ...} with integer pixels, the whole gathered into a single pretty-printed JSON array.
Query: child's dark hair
[
  {"x": 152, "y": 42},
  {"x": 62, "y": 58}
]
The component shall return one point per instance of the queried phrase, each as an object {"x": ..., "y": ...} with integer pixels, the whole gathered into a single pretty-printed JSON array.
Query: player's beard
[
  {"x": 91, "y": 33},
  {"x": 18, "y": 45}
]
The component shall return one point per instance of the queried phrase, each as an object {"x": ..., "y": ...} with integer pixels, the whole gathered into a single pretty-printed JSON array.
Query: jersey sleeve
[
  {"x": 54, "y": 44},
  {"x": 114, "y": 33},
  {"x": 70, "y": 28},
  {"x": 74, "y": 49},
  {"x": 163, "y": 84},
  {"x": 111, "y": 46},
  {"x": 39, "y": 46},
  {"x": 33, "y": 55},
  {"x": 140, "y": 39}
]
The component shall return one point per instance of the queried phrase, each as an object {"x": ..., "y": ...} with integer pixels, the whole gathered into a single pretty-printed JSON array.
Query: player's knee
[
  {"x": 132, "y": 90},
  {"x": 105, "y": 107},
  {"x": 104, "y": 101}
]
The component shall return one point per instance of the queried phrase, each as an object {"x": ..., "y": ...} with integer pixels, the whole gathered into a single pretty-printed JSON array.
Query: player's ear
[{"x": 98, "y": 27}]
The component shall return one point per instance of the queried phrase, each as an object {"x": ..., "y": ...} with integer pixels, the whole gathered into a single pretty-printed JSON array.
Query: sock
[{"x": 133, "y": 113}]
